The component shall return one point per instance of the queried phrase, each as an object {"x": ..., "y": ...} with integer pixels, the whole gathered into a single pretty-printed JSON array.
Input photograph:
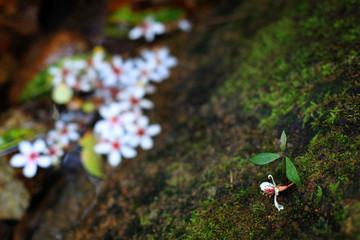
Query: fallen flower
[
  {"x": 30, "y": 156},
  {"x": 149, "y": 28},
  {"x": 114, "y": 148},
  {"x": 270, "y": 189}
]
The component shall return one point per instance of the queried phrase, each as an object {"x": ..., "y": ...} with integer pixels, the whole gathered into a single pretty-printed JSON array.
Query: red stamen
[
  {"x": 116, "y": 70},
  {"x": 65, "y": 72},
  {"x": 33, "y": 156},
  {"x": 141, "y": 132},
  {"x": 134, "y": 101},
  {"x": 116, "y": 145}
]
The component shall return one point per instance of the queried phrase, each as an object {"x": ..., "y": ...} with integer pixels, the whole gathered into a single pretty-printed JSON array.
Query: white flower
[
  {"x": 63, "y": 133},
  {"x": 271, "y": 189},
  {"x": 149, "y": 28},
  {"x": 115, "y": 117},
  {"x": 55, "y": 152},
  {"x": 67, "y": 72},
  {"x": 114, "y": 148},
  {"x": 134, "y": 98},
  {"x": 162, "y": 61},
  {"x": 118, "y": 72},
  {"x": 184, "y": 25},
  {"x": 142, "y": 133},
  {"x": 31, "y": 156}
]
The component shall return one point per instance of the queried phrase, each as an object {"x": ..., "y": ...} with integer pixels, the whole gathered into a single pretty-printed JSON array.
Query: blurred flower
[
  {"x": 67, "y": 72},
  {"x": 115, "y": 117},
  {"x": 184, "y": 25},
  {"x": 63, "y": 133},
  {"x": 162, "y": 61},
  {"x": 142, "y": 133},
  {"x": 118, "y": 72},
  {"x": 31, "y": 156},
  {"x": 114, "y": 148},
  {"x": 149, "y": 28},
  {"x": 134, "y": 98},
  {"x": 55, "y": 152}
]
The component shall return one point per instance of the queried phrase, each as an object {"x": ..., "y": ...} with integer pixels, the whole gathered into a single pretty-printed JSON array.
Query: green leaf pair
[{"x": 264, "y": 158}]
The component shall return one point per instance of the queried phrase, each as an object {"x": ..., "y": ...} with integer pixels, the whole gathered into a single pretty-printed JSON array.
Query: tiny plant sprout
[
  {"x": 271, "y": 189},
  {"x": 265, "y": 158}
]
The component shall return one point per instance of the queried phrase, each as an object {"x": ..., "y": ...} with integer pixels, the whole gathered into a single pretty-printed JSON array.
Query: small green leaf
[
  {"x": 264, "y": 158},
  {"x": 283, "y": 141},
  {"x": 291, "y": 172},
  {"x": 11, "y": 138},
  {"x": 91, "y": 161}
]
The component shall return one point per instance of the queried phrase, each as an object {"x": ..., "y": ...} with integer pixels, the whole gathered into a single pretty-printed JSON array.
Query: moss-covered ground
[{"x": 279, "y": 65}]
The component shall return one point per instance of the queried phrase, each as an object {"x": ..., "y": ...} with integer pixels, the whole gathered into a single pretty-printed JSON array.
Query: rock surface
[{"x": 245, "y": 74}]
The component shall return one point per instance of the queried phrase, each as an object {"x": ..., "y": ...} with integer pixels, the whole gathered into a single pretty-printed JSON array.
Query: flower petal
[
  {"x": 18, "y": 160},
  {"x": 128, "y": 152},
  {"x": 146, "y": 143},
  {"x": 114, "y": 158},
  {"x": 102, "y": 148},
  {"x": 277, "y": 205},
  {"x": 135, "y": 33},
  {"x": 25, "y": 147},
  {"x": 153, "y": 130},
  {"x": 146, "y": 104},
  {"x": 39, "y": 145},
  {"x": 44, "y": 161},
  {"x": 30, "y": 170}
]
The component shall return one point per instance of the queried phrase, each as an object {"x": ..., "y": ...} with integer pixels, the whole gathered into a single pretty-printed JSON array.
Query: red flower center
[
  {"x": 134, "y": 101},
  {"x": 33, "y": 156},
  {"x": 65, "y": 73},
  {"x": 64, "y": 131},
  {"x": 144, "y": 27},
  {"x": 141, "y": 132},
  {"x": 116, "y": 145},
  {"x": 116, "y": 70}
]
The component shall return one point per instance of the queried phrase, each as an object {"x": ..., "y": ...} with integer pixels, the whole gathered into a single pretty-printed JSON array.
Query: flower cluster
[{"x": 117, "y": 88}]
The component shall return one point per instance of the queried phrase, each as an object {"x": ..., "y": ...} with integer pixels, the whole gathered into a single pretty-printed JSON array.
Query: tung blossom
[
  {"x": 67, "y": 72},
  {"x": 31, "y": 156},
  {"x": 63, "y": 133},
  {"x": 142, "y": 133},
  {"x": 162, "y": 61},
  {"x": 115, "y": 117},
  {"x": 149, "y": 28},
  {"x": 271, "y": 189},
  {"x": 114, "y": 148}
]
